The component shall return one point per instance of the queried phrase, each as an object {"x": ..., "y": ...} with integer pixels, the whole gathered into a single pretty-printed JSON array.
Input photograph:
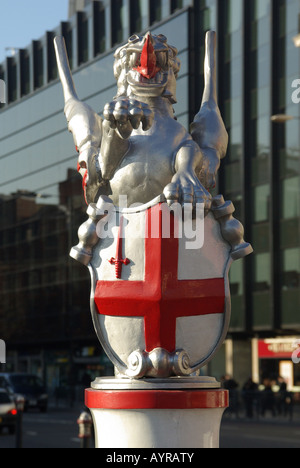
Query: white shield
[{"x": 160, "y": 300}]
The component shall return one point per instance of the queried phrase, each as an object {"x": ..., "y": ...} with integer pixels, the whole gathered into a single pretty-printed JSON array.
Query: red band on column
[{"x": 156, "y": 399}]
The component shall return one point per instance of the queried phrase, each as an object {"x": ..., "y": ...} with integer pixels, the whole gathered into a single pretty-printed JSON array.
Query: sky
[{"x": 25, "y": 20}]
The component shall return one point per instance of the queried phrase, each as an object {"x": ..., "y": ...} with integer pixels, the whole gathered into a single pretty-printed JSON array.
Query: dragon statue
[
  {"x": 139, "y": 149},
  {"x": 163, "y": 309},
  {"x": 160, "y": 306}
]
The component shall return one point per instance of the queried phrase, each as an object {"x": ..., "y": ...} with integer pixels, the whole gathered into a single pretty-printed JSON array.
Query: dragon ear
[
  {"x": 170, "y": 90},
  {"x": 174, "y": 67},
  {"x": 120, "y": 73}
]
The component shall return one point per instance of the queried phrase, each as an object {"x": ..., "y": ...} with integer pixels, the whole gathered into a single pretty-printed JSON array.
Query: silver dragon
[{"x": 139, "y": 149}]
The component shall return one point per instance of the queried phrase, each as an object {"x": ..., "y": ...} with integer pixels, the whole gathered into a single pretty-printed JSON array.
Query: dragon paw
[
  {"x": 187, "y": 190},
  {"x": 126, "y": 115}
]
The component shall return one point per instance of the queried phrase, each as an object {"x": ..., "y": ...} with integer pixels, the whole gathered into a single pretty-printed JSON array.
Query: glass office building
[{"x": 44, "y": 295}]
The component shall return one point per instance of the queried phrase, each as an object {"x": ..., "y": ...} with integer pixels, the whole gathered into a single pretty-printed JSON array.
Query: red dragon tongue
[{"x": 148, "y": 68}]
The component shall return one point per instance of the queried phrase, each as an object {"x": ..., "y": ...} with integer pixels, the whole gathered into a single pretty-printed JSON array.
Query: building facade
[{"x": 44, "y": 316}]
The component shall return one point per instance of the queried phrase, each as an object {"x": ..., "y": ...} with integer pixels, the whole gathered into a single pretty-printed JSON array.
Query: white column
[
  {"x": 157, "y": 413},
  {"x": 229, "y": 356},
  {"x": 255, "y": 360}
]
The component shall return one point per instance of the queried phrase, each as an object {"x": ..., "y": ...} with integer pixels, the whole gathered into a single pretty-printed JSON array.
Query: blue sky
[{"x": 25, "y": 20}]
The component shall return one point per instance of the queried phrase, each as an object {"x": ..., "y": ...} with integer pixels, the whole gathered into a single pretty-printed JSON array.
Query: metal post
[
  {"x": 85, "y": 429},
  {"x": 20, "y": 403}
]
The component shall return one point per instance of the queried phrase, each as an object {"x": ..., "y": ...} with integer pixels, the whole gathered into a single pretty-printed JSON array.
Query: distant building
[
  {"x": 43, "y": 294},
  {"x": 77, "y": 5}
]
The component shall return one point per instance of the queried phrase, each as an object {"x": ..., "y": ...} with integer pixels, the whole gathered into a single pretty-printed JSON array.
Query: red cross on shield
[{"x": 160, "y": 298}]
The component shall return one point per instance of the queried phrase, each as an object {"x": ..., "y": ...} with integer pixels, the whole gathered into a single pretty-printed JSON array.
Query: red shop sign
[{"x": 275, "y": 349}]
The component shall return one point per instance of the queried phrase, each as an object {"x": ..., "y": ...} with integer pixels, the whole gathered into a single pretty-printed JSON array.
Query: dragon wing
[
  {"x": 208, "y": 129},
  {"x": 83, "y": 122}
]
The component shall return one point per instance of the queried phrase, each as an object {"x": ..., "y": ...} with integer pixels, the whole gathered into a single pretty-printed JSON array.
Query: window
[
  {"x": 261, "y": 203},
  {"x": 235, "y": 149},
  {"x": 135, "y": 16},
  {"x": 262, "y": 8},
  {"x": 117, "y": 21},
  {"x": 155, "y": 11},
  {"x": 291, "y": 198},
  {"x": 236, "y": 279},
  {"x": 38, "y": 65},
  {"x": 290, "y": 287},
  {"x": 83, "y": 52},
  {"x": 100, "y": 30},
  {"x": 176, "y": 5},
  {"x": 68, "y": 35},
  {"x": 291, "y": 268},
  {"x": 261, "y": 237},
  {"x": 260, "y": 169},
  {"x": 262, "y": 272},
  {"x": 12, "y": 80},
  {"x": 262, "y": 308},
  {"x": 234, "y": 15},
  {"x": 52, "y": 64},
  {"x": 4, "y": 398},
  {"x": 233, "y": 179},
  {"x": 25, "y": 73}
]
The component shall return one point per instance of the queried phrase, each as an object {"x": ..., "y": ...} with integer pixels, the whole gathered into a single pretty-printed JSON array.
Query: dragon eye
[
  {"x": 133, "y": 59},
  {"x": 134, "y": 38},
  {"x": 162, "y": 59},
  {"x": 162, "y": 38}
]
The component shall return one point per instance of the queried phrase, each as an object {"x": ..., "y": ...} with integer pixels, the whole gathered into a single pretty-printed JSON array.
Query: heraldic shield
[{"x": 160, "y": 298}]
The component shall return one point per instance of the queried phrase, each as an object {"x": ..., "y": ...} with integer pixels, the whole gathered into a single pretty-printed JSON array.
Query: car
[
  {"x": 29, "y": 386},
  {"x": 8, "y": 412}
]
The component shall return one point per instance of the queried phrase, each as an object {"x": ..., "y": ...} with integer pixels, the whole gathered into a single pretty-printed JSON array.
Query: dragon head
[{"x": 147, "y": 66}]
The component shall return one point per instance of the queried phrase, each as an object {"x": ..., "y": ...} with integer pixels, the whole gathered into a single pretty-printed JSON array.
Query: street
[
  {"x": 259, "y": 434},
  {"x": 58, "y": 429}
]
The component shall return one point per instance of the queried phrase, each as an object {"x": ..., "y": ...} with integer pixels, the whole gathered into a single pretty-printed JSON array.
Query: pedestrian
[
  {"x": 268, "y": 399},
  {"x": 249, "y": 393},
  {"x": 232, "y": 386},
  {"x": 282, "y": 396},
  {"x": 289, "y": 405},
  {"x": 285, "y": 399}
]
